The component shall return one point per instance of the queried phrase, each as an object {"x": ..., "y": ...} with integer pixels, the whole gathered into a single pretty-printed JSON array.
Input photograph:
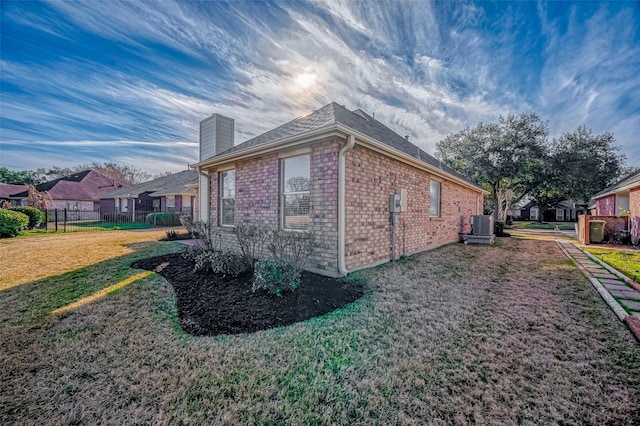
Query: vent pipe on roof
[{"x": 216, "y": 135}]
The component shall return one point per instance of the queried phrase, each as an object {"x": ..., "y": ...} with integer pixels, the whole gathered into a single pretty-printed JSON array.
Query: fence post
[
  {"x": 587, "y": 237},
  {"x": 55, "y": 218},
  {"x": 65, "y": 220}
]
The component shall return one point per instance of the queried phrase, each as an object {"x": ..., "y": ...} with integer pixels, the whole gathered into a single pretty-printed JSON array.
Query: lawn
[
  {"x": 451, "y": 336},
  {"x": 626, "y": 261},
  {"x": 562, "y": 226}
]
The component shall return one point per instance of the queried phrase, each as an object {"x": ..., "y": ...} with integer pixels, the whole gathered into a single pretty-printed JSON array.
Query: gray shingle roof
[
  {"x": 629, "y": 181},
  {"x": 357, "y": 120},
  {"x": 166, "y": 185}
]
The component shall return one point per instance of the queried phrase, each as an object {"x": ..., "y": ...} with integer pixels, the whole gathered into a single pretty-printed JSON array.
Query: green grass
[
  {"x": 625, "y": 261},
  {"x": 563, "y": 226}
]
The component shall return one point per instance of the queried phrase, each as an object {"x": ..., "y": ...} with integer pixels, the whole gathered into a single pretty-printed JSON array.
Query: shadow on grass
[{"x": 31, "y": 303}]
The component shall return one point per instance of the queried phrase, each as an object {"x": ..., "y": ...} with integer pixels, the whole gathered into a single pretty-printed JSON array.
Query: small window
[
  {"x": 171, "y": 201},
  {"x": 560, "y": 214},
  {"x": 434, "y": 198},
  {"x": 124, "y": 205},
  {"x": 533, "y": 213},
  {"x": 228, "y": 198},
  {"x": 296, "y": 186}
]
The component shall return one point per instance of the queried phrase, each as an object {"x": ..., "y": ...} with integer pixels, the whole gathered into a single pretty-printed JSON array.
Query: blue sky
[{"x": 129, "y": 82}]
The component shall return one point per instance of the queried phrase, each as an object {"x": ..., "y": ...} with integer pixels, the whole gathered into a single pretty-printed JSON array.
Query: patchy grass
[
  {"x": 626, "y": 261},
  {"x": 524, "y": 224},
  {"x": 507, "y": 334}
]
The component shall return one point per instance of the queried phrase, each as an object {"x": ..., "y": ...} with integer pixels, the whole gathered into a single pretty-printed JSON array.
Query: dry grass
[
  {"x": 28, "y": 259},
  {"x": 509, "y": 334}
]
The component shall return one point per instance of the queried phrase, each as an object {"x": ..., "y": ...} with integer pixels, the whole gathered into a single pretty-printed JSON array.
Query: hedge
[
  {"x": 12, "y": 223},
  {"x": 35, "y": 216}
]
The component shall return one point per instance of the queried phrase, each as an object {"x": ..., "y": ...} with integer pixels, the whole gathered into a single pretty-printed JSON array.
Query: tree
[
  {"x": 37, "y": 199},
  {"x": 22, "y": 177},
  {"x": 503, "y": 157},
  {"x": 579, "y": 165},
  {"x": 121, "y": 172}
]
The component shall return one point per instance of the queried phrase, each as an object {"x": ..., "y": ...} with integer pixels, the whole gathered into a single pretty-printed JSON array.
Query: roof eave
[{"x": 334, "y": 129}]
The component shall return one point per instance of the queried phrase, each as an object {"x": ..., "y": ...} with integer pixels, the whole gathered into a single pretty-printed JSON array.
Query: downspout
[
  {"x": 351, "y": 141},
  {"x": 201, "y": 191}
]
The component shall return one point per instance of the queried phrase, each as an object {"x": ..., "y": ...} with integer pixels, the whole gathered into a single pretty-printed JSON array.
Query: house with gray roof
[
  {"x": 170, "y": 193},
  {"x": 367, "y": 194}
]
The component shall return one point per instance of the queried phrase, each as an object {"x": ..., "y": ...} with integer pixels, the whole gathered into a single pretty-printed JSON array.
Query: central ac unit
[{"x": 482, "y": 225}]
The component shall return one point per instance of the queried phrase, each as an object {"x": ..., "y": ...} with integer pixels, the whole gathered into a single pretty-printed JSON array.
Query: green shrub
[
  {"x": 225, "y": 263},
  {"x": 35, "y": 216},
  {"x": 163, "y": 219},
  {"x": 499, "y": 227},
  {"x": 12, "y": 223},
  {"x": 276, "y": 276}
]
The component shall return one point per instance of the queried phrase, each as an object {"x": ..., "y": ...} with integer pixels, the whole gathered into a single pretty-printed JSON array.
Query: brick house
[
  {"x": 622, "y": 195},
  {"x": 333, "y": 172},
  {"x": 80, "y": 191},
  {"x": 170, "y": 193}
]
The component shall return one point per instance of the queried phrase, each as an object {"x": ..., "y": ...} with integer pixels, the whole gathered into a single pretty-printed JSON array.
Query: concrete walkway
[{"x": 616, "y": 289}]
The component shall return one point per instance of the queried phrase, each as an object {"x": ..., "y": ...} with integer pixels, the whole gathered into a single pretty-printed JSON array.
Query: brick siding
[
  {"x": 634, "y": 201},
  {"x": 371, "y": 179},
  {"x": 606, "y": 206},
  {"x": 258, "y": 200}
]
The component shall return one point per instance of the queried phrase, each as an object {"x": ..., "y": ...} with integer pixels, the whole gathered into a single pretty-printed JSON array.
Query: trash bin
[{"x": 596, "y": 230}]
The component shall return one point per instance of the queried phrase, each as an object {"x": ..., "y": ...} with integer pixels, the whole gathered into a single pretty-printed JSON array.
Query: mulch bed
[{"x": 209, "y": 304}]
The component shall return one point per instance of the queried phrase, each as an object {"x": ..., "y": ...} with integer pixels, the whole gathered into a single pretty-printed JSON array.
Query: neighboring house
[
  {"x": 333, "y": 172},
  {"x": 6, "y": 191},
  {"x": 79, "y": 191},
  {"x": 171, "y": 193},
  {"x": 564, "y": 211},
  {"x": 623, "y": 195}
]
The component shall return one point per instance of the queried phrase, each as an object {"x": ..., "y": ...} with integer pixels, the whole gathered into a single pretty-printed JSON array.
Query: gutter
[{"x": 351, "y": 141}]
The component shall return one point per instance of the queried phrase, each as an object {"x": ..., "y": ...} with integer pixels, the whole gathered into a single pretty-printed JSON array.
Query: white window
[
  {"x": 171, "y": 201},
  {"x": 123, "y": 205},
  {"x": 559, "y": 214},
  {"x": 296, "y": 186},
  {"x": 434, "y": 198},
  {"x": 228, "y": 198},
  {"x": 533, "y": 213}
]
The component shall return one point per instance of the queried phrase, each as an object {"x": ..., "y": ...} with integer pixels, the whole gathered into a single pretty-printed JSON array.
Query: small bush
[
  {"x": 225, "y": 263},
  {"x": 35, "y": 216},
  {"x": 276, "y": 276},
  {"x": 12, "y": 223},
  {"x": 252, "y": 240},
  {"x": 499, "y": 227},
  {"x": 208, "y": 235},
  {"x": 163, "y": 219}
]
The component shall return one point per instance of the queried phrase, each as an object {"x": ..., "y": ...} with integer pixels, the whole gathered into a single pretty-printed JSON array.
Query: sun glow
[{"x": 306, "y": 80}]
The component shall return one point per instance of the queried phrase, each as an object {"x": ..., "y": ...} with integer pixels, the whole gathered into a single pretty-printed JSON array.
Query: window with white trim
[
  {"x": 295, "y": 192},
  {"x": 533, "y": 213},
  {"x": 560, "y": 214},
  {"x": 434, "y": 198},
  {"x": 171, "y": 201},
  {"x": 228, "y": 198}
]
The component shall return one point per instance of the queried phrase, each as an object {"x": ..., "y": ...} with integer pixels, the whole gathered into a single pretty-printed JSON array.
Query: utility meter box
[{"x": 398, "y": 201}]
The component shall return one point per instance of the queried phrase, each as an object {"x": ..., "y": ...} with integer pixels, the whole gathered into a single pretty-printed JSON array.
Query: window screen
[
  {"x": 434, "y": 198},
  {"x": 228, "y": 197},
  {"x": 295, "y": 192}
]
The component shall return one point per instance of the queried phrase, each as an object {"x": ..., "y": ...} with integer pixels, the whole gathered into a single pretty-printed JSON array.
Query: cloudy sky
[{"x": 129, "y": 82}]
